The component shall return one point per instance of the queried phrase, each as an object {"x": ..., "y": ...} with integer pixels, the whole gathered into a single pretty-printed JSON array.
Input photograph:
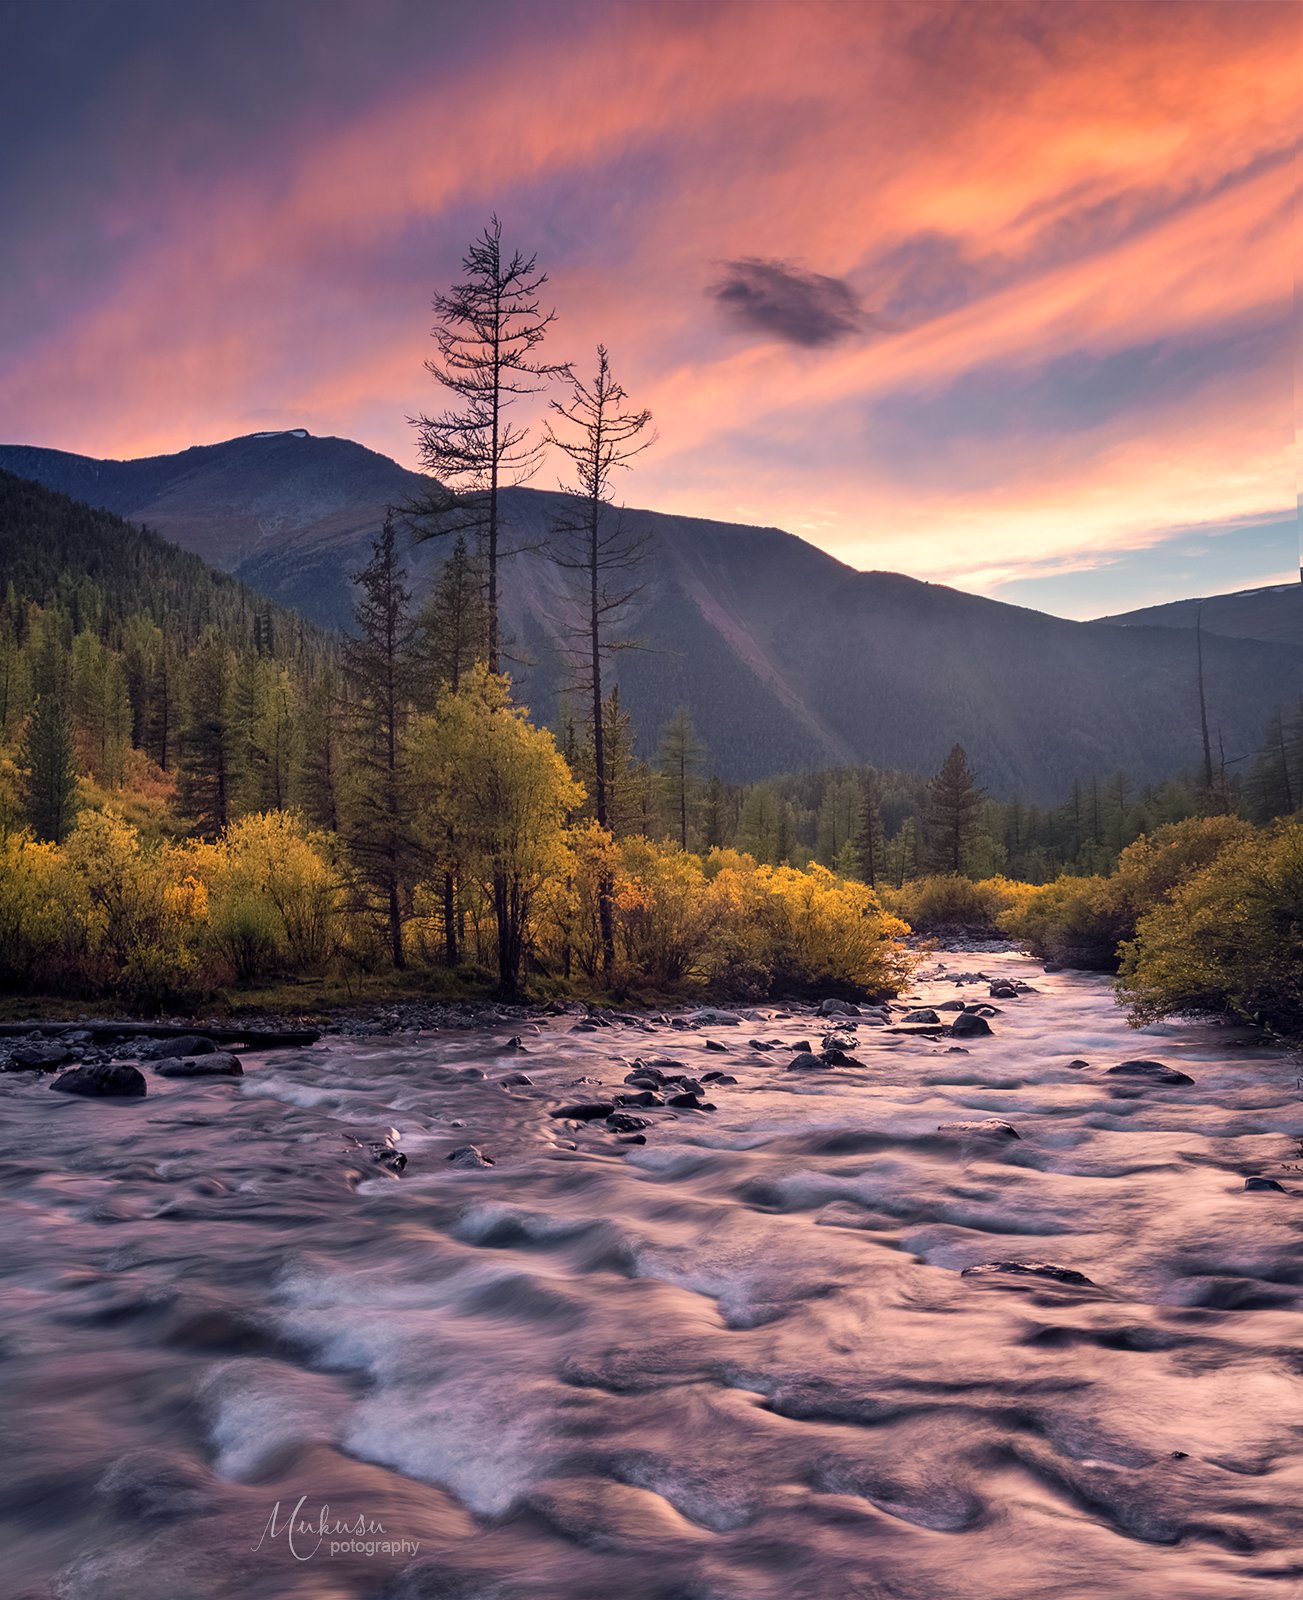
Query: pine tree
[
  {"x": 487, "y": 330},
  {"x": 681, "y": 755},
  {"x": 954, "y": 809},
  {"x": 48, "y": 755},
  {"x": 380, "y": 667},
  {"x": 870, "y": 836}
]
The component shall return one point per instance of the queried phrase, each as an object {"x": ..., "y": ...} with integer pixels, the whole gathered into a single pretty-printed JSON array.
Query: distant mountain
[
  {"x": 788, "y": 658},
  {"x": 1274, "y": 614}
]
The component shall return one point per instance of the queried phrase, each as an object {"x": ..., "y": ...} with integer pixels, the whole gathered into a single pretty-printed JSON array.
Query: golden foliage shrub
[{"x": 950, "y": 903}]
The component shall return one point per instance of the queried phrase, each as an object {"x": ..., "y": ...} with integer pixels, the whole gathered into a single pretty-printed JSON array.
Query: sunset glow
[{"x": 1043, "y": 250}]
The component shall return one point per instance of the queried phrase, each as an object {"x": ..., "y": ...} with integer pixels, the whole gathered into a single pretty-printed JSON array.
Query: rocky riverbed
[{"x": 985, "y": 1295}]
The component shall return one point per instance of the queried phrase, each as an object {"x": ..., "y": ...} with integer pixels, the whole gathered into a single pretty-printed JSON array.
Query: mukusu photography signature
[{"x": 305, "y": 1533}]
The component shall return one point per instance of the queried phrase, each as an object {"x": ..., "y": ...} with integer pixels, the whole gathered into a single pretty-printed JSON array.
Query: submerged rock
[
  {"x": 469, "y": 1155},
  {"x": 110, "y": 1078},
  {"x": 1259, "y": 1182},
  {"x": 714, "y": 1044},
  {"x": 1027, "y": 1269},
  {"x": 983, "y": 1128},
  {"x": 1078, "y": 1066},
  {"x": 517, "y": 1080},
  {"x": 1154, "y": 1071},
  {"x": 584, "y": 1110},
  {"x": 220, "y": 1064}
]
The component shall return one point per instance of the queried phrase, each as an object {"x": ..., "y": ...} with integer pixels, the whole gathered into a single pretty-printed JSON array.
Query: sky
[{"x": 999, "y": 293}]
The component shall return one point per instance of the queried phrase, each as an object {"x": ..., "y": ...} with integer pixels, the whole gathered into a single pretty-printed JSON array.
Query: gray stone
[
  {"x": 220, "y": 1064},
  {"x": 1154, "y": 1071},
  {"x": 113, "y": 1078}
]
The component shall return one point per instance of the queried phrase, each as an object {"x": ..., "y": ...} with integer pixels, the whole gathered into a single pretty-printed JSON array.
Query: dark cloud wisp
[{"x": 804, "y": 308}]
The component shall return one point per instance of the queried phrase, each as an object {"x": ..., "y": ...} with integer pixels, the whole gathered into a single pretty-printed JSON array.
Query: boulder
[
  {"x": 110, "y": 1078},
  {"x": 516, "y": 1080},
  {"x": 645, "y": 1098},
  {"x": 839, "y": 1041},
  {"x": 514, "y": 1045},
  {"x": 1078, "y": 1066},
  {"x": 806, "y": 1061},
  {"x": 384, "y": 1155},
  {"x": 802, "y": 1046},
  {"x": 760, "y": 1044},
  {"x": 1153, "y": 1071},
  {"x": 968, "y": 1025},
  {"x": 714, "y": 1044},
  {"x": 838, "y": 1058},
  {"x": 838, "y": 1008},
  {"x": 1261, "y": 1183},
  {"x": 220, "y": 1064},
  {"x": 926, "y": 1014}
]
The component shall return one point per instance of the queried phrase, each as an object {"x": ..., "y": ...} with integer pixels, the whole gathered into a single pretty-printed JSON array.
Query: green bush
[{"x": 1228, "y": 940}]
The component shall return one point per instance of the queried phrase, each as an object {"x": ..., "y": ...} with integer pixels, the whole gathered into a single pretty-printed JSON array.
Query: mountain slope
[
  {"x": 787, "y": 657},
  {"x": 1273, "y": 615}
]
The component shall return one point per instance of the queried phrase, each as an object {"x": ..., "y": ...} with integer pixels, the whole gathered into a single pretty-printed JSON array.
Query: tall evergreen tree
[
  {"x": 870, "y": 835},
  {"x": 453, "y": 624},
  {"x": 208, "y": 767},
  {"x": 50, "y": 790},
  {"x": 681, "y": 755},
  {"x": 954, "y": 809},
  {"x": 322, "y": 758},
  {"x": 379, "y": 663},
  {"x": 488, "y": 328}
]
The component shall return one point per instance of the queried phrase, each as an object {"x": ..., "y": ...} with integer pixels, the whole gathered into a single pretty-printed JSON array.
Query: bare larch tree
[
  {"x": 487, "y": 330},
  {"x": 598, "y": 432}
]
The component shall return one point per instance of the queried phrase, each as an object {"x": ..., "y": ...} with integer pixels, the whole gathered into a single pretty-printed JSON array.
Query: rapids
[{"x": 737, "y": 1362}]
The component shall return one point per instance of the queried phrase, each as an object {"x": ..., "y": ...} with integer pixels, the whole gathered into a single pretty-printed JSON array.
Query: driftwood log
[{"x": 110, "y": 1032}]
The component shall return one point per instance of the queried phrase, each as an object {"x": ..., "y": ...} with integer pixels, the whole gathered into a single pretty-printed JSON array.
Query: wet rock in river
[
  {"x": 806, "y": 1061},
  {"x": 469, "y": 1155},
  {"x": 185, "y": 1044},
  {"x": 983, "y": 1128},
  {"x": 220, "y": 1064},
  {"x": 838, "y": 1058},
  {"x": 714, "y": 1044},
  {"x": 926, "y": 1014},
  {"x": 1027, "y": 1269},
  {"x": 109, "y": 1079},
  {"x": 1154, "y": 1071},
  {"x": 645, "y": 1098},
  {"x": 1078, "y": 1066},
  {"x": 1260, "y": 1183},
  {"x": 838, "y": 1008},
  {"x": 760, "y": 1044},
  {"x": 802, "y": 1047},
  {"x": 839, "y": 1041},
  {"x": 517, "y": 1080},
  {"x": 718, "y": 1077},
  {"x": 37, "y": 1057},
  {"x": 584, "y": 1110},
  {"x": 624, "y": 1122},
  {"x": 384, "y": 1155},
  {"x": 968, "y": 1025},
  {"x": 514, "y": 1044},
  {"x": 689, "y": 1102}
]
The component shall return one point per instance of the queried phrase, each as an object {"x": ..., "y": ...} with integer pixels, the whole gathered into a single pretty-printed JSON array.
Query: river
[{"x": 739, "y": 1361}]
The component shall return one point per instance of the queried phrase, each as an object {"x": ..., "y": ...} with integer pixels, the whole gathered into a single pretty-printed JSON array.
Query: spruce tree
[
  {"x": 379, "y": 662},
  {"x": 208, "y": 767},
  {"x": 870, "y": 836},
  {"x": 680, "y": 760},
  {"x": 453, "y": 624},
  {"x": 50, "y": 790},
  {"x": 954, "y": 809}
]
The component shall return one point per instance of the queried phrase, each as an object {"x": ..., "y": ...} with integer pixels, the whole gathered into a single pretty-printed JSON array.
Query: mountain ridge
[{"x": 788, "y": 657}]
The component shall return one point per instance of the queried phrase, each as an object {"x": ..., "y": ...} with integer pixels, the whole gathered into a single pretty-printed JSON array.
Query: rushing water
[{"x": 737, "y": 1361}]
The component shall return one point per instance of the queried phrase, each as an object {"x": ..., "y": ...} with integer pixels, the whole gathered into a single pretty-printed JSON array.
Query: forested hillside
[{"x": 787, "y": 658}]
